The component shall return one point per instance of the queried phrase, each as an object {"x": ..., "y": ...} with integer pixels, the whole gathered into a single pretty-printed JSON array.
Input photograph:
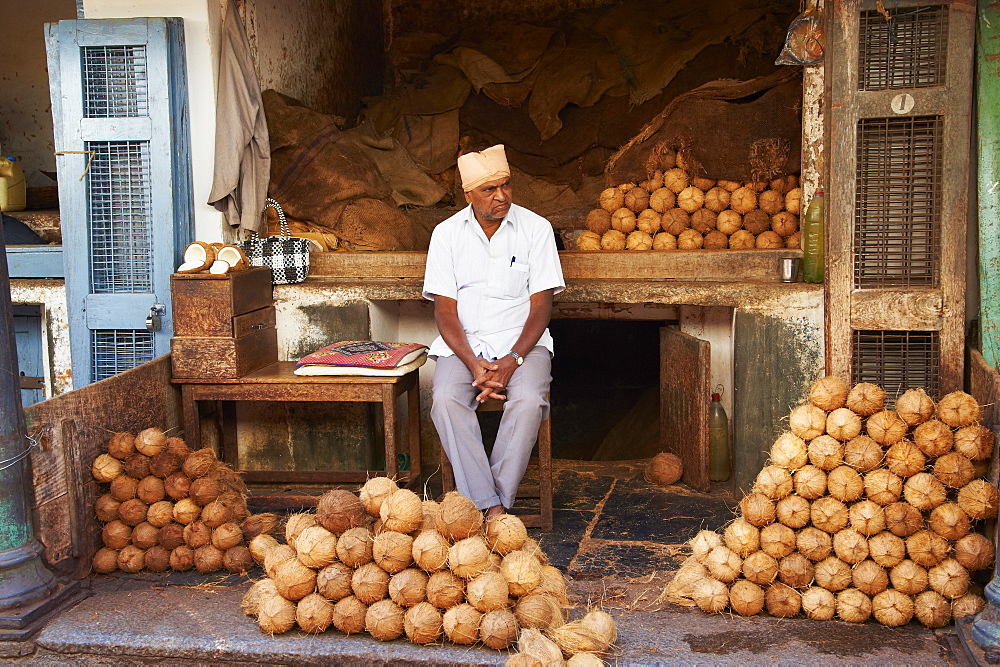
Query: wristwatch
[{"x": 517, "y": 357}]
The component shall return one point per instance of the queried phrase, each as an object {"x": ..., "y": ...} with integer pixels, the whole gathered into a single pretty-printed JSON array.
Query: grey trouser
[{"x": 494, "y": 480}]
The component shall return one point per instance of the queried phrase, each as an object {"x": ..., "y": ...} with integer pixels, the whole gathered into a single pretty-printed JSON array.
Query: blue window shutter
[{"x": 119, "y": 107}]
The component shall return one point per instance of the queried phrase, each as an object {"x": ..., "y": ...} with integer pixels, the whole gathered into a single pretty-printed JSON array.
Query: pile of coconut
[
  {"x": 862, "y": 511},
  {"x": 387, "y": 563},
  {"x": 676, "y": 211},
  {"x": 169, "y": 508}
]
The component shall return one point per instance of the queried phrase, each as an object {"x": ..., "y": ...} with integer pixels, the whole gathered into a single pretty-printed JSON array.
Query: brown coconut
[
  {"x": 458, "y": 517},
  {"x": 675, "y": 221},
  {"x": 892, "y": 608},
  {"x": 974, "y": 552},
  {"x": 137, "y": 466},
  {"x": 680, "y": 589},
  {"x": 768, "y": 239},
  {"x": 785, "y": 224},
  {"x": 886, "y": 549},
  {"x": 867, "y": 517},
  {"x": 469, "y": 557},
  {"x": 106, "y": 508},
  {"x": 314, "y": 613},
  {"x": 370, "y": 583},
  {"x": 349, "y": 615},
  {"x": 537, "y": 649},
  {"x": 883, "y": 487},
  {"x": 933, "y": 438},
  {"x": 903, "y": 519},
  {"x": 760, "y": 568},
  {"x": 746, "y": 598},
  {"x": 612, "y": 199},
  {"x": 217, "y": 513},
  {"x": 334, "y": 581},
  {"x": 339, "y": 510},
  {"x": 774, "y": 482},
  {"x": 927, "y": 548},
  {"x": 664, "y": 469},
  {"x": 237, "y": 560},
  {"x": 771, "y": 201},
  {"x": 133, "y": 512},
  {"x": 777, "y": 540},
  {"x": 392, "y": 551},
  {"x": 829, "y": 514},
  {"x": 505, "y": 533},
  {"x": 810, "y": 482},
  {"x": 915, "y": 406},
  {"x": 832, "y": 574},
  {"x": 924, "y": 491},
  {"x": 949, "y": 578},
  {"x": 227, "y": 535},
  {"x": 150, "y": 441},
  {"x": 250, "y": 604},
  {"x": 758, "y": 223},
  {"x": 461, "y": 624},
  {"x": 296, "y": 523},
  {"x": 743, "y": 200},
  {"x": 275, "y": 615},
  {"x": 850, "y": 546},
  {"x": 845, "y": 484},
  {"x": 676, "y": 179},
  {"x": 724, "y": 564},
  {"x": 664, "y": 241},
  {"x": 598, "y": 221},
  {"x": 260, "y": 545},
  {"x": 384, "y": 620},
  {"x": 208, "y": 559},
  {"x": 908, "y": 578},
  {"x": 121, "y": 445},
  {"x": 197, "y": 534},
  {"x": 145, "y": 535},
  {"x": 690, "y": 199},
  {"x": 711, "y": 596},
  {"x": 862, "y": 453},
  {"x": 164, "y": 464},
  {"x": 866, "y": 399},
  {"x": 703, "y": 542},
  {"x": 522, "y": 572},
  {"x": 967, "y": 605},
  {"x": 690, "y": 239},
  {"x": 637, "y": 199},
  {"x": 106, "y": 467},
  {"x": 316, "y": 547},
  {"x": 979, "y": 499},
  {"x": 826, "y": 452},
  {"x": 782, "y": 601},
  {"x": 487, "y": 591},
  {"x": 430, "y": 550},
  {"x": 402, "y": 511},
  {"x": 171, "y": 536},
  {"x": 204, "y": 490},
  {"x": 886, "y": 427},
  {"x": 853, "y": 606},
  {"x": 115, "y": 534},
  {"x": 741, "y": 240},
  {"x": 423, "y": 623},
  {"x": 199, "y": 463},
  {"x": 623, "y": 221},
  {"x": 354, "y": 546},
  {"x": 813, "y": 543},
  {"x": 807, "y": 421},
  {"x": 905, "y": 459},
  {"x": 869, "y": 577},
  {"x": 445, "y": 589},
  {"x": 261, "y": 523},
  {"x": 789, "y": 451},
  {"x": 408, "y": 587},
  {"x": 959, "y": 409},
  {"x": 177, "y": 485},
  {"x": 796, "y": 570},
  {"x": 818, "y": 603},
  {"x": 842, "y": 424},
  {"x": 793, "y": 511},
  {"x": 793, "y": 200},
  {"x": 949, "y": 521},
  {"x": 538, "y": 610},
  {"x": 662, "y": 199},
  {"x": 648, "y": 221},
  {"x": 717, "y": 200},
  {"x": 742, "y": 537},
  {"x": 758, "y": 509},
  {"x": 974, "y": 441},
  {"x": 294, "y": 580},
  {"x": 178, "y": 447},
  {"x": 160, "y": 513},
  {"x": 954, "y": 470},
  {"x": 728, "y": 222}
]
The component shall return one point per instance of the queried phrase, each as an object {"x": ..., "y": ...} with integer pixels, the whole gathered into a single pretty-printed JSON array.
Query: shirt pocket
[{"x": 513, "y": 279}]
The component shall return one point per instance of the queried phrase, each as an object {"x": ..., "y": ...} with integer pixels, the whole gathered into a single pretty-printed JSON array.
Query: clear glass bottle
[
  {"x": 813, "y": 240},
  {"x": 718, "y": 441}
]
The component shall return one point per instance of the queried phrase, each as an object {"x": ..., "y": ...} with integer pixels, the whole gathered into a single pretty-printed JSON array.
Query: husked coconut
[
  {"x": 767, "y": 239},
  {"x": 423, "y": 623},
  {"x": 979, "y": 499},
  {"x": 886, "y": 549},
  {"x": 924, "y": 491},
  {"x": 974, "y": 552},
  {"x": 826, "y": 452},
  {"x": 334, "y": 581},
  {"x": 690, "y": 239},
  {"x": 664, "y": 241},
  {"x": 589, "y": 240},
  {"x": 377, "y": 489},
  {"x": 746, "y": 598},
  {"x": 886, "y": 427},
  {"x": 384, "y": 620},
  {"x": 662, "y": 199},
  {"x": 905, "y": 459},
  {"x": 810, "y": 482},
  {"x": 758, "y": 509},
  {"x": 392, "y": 551},
  {"x": 932, "y": 609},
  {"x": 813, "y": 543},
  {"x": 742, "y": 239},
  {"x": 862, "y": 453},
  {"x": 717, "y": 199},
  {"x": 724, "y": 564},
  {"x": 461, "y": 624},
  {"x": 774, "y": 482},
  {"x": 954, "y": 470},
  {"x": 648, "y": 221},
  {"x": 883, "y": 487},
  {"x": 828, "y": 393},
  {"x": 676, "y": 179},
  {"x": 106, "y": 467},
  {"x": 293, "y": 580},
  {"x": 967, "y": 605},
  {"x": 445, "y": 589},
  {"x": 522, "y": 572},
  {"x": 796, "y": 570},
  {"x": 469, "y": 557},
  {"x": 711, "y": 596},
  {"x": 789, "y": 451},
  {"x": 853, "y": 606},
  {"x": 915, "y": 406},
  {"x": 908, "y": 578},
  {"x": 974, "y": 441},
  {"x": 337, "y": 510},
  {"x": 949, "y": 521},
  {"x": 250, "y": 604},
  {"x": 663, "y": 469},
  {"x": 316, "y": 547},
  {"x": 832, "y": 574},
  {"x": 818, "y": 603},
  {"x": 829, "y": 514},
  {"x": 349, "y": 615},
  {"x": 314, "y": 613},
  {"x": 703, "y": 542},
  {"x": 782, "y": 601},
  {"x": 845, "y": 484},
  {"x": 742, "y": 537},
  {"x": 760, "y": 568},
  {"x": 370, "y": 583},
  {"x": 843, "y": 424},
  {"x": 869, "y": 577},
  {"x": 275, "y": 615},
  {"x": 402, "y": 511},
  {"x": 777, "y": 540},
  {"x": 903, "y": 519},
  {"x": 933, "y": 438},
  {"x": 728, "y": 222},
  {"x": 354, "y": 546},
  {"x": 408, "y": 587},
  {"x": 743, "y": 200},
  {"x": 674, "y": 221},
  {"x": 430, "y": 550},
  {"x": 784, "y": 224},
  {"x": 458, "y": 517},
  {"x": 959, "y": 409},
  {"x": 892, "y": 608},
  {"x": 927, "y": 548},
  {"x": 866, "y": 399},
  {"x": 498, "y": 629},
  {"x": 949, "y": 578},
  {"x": 623, "y": 220},
  {"x": 793, "y": 511},
  {"x": 612, "y": 199},
  {"x": 807, "y": 421},
  {"x": 538, "y": 610},
  {"x": 850, "y": 546},
  {"x": 867, "y": 517}
]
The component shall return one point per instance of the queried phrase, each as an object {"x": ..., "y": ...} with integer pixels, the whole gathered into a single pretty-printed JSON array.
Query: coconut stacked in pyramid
[{"x": 860, "y": 512}]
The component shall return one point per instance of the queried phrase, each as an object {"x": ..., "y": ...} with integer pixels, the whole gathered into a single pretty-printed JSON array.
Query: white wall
[{"x": 202, "y": 23}]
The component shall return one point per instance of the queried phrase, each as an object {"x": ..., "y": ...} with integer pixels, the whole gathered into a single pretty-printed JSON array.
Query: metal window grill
[
  {"x": 907, "y": 50},
  {"x": 897, "y": 226},
  {"x": 120, "y": 217},
  {"x": 118, "y": 350},
  {"x": 897, "y": 360},
  {"x": 115, "y": 81}
]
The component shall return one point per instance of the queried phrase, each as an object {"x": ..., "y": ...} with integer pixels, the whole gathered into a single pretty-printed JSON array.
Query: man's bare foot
[{"x": 493, "y": 511}]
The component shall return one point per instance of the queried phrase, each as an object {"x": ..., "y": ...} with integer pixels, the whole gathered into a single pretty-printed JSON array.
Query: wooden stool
[{"x": 543, "y": 491}]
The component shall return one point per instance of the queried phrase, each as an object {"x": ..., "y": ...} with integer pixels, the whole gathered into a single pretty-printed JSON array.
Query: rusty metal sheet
[{"x": 685, "y": 375}]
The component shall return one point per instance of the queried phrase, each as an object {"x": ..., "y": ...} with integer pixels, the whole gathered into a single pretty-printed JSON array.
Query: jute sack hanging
[{"x": 288, "y": 256}]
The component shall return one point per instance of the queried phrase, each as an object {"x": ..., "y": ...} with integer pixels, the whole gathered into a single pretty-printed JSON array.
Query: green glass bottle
[
  {"x": 813, "y": 241},
  {"x": 718, "y": 441}
]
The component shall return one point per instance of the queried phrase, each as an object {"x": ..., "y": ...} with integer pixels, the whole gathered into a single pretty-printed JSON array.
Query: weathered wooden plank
[
  {"x": 887, "y": 310},
  {"x": 131, "y": 401},
  {"x": 205, "y": 304},
  {"x": 211, "y": 357},
  {"x": 684, "y": 394}
]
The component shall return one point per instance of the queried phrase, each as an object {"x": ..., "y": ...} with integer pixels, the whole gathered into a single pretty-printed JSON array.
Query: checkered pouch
[{"x": 287, "y": 255}]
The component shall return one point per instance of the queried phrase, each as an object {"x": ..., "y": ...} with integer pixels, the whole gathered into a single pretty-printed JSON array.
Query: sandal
[
  {"x": 198, "y": 256},
  {"x": 229, "y": 258}
]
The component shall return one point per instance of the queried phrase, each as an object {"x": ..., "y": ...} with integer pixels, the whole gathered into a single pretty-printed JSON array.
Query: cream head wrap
[{"x": 486, "y": 165}]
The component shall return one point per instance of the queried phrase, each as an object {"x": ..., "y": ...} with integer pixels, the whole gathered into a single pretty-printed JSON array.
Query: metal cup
[{"x": 790, "y": 269}]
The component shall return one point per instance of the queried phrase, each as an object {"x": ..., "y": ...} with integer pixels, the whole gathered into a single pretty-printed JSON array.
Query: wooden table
[{"x": 277, "y": 382}]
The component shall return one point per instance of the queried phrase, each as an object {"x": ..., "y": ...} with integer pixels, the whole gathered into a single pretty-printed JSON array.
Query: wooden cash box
[{"x": 224, "y": 326}]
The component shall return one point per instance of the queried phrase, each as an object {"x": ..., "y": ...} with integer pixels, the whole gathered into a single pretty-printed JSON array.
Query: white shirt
[{"x": 492, "y": 279}]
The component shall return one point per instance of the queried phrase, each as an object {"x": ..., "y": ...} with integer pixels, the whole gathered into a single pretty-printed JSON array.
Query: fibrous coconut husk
[
  {"x": 349, "y": 615},
  {"x": 197, "y": 534},
  {"x": 392, "y": 551},
  {"x": 150, "y": 441},
  {"x": 746, "y": 598},
  {"x": 263, "y": 523},
  {"x": 458, "y": 517},
  {"x": 171, "y": 536},
  {"x": 814, "y": 543},
  {"x": 796, "y": 570},
  {"x": 886, "y": 427},
  {"x": 294, "y": 580},
  {"x": 853, "y": 606},
  {"x": 905, "y": 459},
  {"x": 370, "y": 583},
  {"x": 177, "y": 485},
  {"x": 979, "y": 499},
  {"x": 178, "y": 447},
  {"x": 137, "y": 466},
  {"x": 204, "y": 490},
  {"x": 844, "y": 484},
  {"x": 828, "y": 393},
  {"x": 374, "y": 492},
  {"x": 522, "y": 572},
  {"x": 237, "y": 560},
  {"x": 314, "y": 613},
  {"x": 106, "y": 467},
  {"x": 932, "y": 609},
  {"x": 296, "y": 523},
  {"x": 832, "y": 574},
  {"x": 145, "y": 535},
  {"x": 445, "y": 589},
  {"x": 842, "y": 424},
  {"x": 867, "y": 517},
  {"x": 903, "y": 519},
  {"x": 505, "y": 533},
  {"x": 711, "y": 596},
  {"x": 208, "y": 559},
  {"x": 384, "y": 620},
  {"x": 862, "y": 453},
  {"x": 974, "y": 552},
  {"x": 105, "y": 560},
  {"x": 760, "y": 568},
  {"x": 539, "y": 610},
  {"x": 742, "y": 537},
  {"x": 354, "y": 546},
  {"x": 758, "y": 509},
  {"x": 106, "y": 508},
  {"x": 227, "y": 535},
  {"x": 250, "y": 604},
  {"x": 886, "y": 549},
  {"x": 131, "y": 559},
  {"x": 908, "y": 578},
  {"x": 915, "y": 406},
  {"x": 199, "y": 463},
  {"x": 774, "y": 482},
  {"x": 949, "y": 521},
  {"x": 469, "y": 557},
  {"x": 826, "y": 452},
  {"x": 275, "y": 615},
  {"x": 892, "y": 608},
  {"x": 430, "y": 550},
  {"x": 402, "y": 511},
  {"x": 316, "y": 547},
  {"x": 810, "y": 482},
  {"x": 949, "y": 578},
  {"x": 818, "y": 603},
  {"x": 543, "y": 650},
  {"x": 927, "y": 548},
  {"x": 865, "y": 399},
  {"x": 498, "y": 628},
  {"x": 933, "y": 438},
  {"x": 850, "y": 546},
  {"x": 793, "y": 511},
  {"x": 883, "y": 487},
  {"x": 165, "y": 464},
  {"x": 217, "y": 513},
  {"x": 924, "y": 491},
  {"x": 680, "y": 589},
  {"x": 338, "y": 510},
  {"x": 408, "y": 587},
  {"x": 777, "y": 540},
  {"x": 334, "y": 581},
  {"x": 723, "y": 564},
  {"x": 869, "y": 577},
  {"x": 829, "y": 514},
  {"x": 789, "y": 451},
  {"x": 967, "y": 605},
  {"x": 703, "y": 542},
  {"x": 123, "y": 487},
  {"x": 132, "y": 512},
  {"x": 160, "y": 513},
  {"x": 423, "y": 623},
  {"x": 959, "y": 409},
  {"x": 807, "y": 421},
  {"x": 664, "y": 469},
  {"x": 181, "y": 558},
  {"x": 461, "y": 624},
  {"x": 782, "y": 601},
  {"x": 974, "y": 441},
  {"x": 121, "y": 445}
]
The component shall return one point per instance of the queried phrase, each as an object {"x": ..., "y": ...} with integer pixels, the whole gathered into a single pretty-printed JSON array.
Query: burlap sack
[{"x": 370, "y": 224}]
